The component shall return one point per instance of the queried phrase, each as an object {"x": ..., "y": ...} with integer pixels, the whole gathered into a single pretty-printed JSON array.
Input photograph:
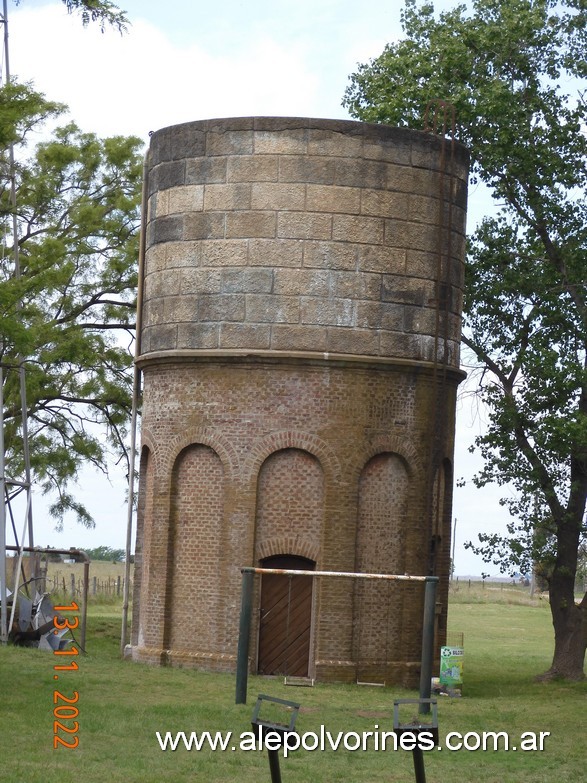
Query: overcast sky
[{"x": 184, "y": 60}]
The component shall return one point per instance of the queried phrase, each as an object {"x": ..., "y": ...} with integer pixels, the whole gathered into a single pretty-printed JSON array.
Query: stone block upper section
[{"x": 303, "y": 235}]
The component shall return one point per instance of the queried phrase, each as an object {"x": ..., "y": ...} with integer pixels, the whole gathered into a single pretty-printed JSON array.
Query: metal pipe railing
[{"x": 242, "y": 660}]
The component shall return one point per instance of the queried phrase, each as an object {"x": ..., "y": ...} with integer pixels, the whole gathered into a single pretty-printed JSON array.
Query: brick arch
[
  {"x": 202, "y": 436},
  {"x": 290, "y": 501},
  {"x": 291, "y": 439},
  {"x": 383, "y": 498},
  {"x": 143, "y": 535},
  {"x": 194, "y": 547},
  {"x": 288, "y": 545},
  {"x": 441, "y": 498},
  {"x": 389, "y": 445},
  {"x": 149, "y": 442}
]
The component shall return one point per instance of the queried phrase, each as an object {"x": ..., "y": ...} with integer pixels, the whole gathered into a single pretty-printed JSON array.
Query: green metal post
[
  {"x": 419, "y": 770},
  {"x": 274, "y": 766},
  {"x": 244, "y": 635},
  {"x": 428, "y": 641}
]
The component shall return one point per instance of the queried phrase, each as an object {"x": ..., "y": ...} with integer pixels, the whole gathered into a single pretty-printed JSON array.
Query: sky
[{"x": 185, "y": 60}]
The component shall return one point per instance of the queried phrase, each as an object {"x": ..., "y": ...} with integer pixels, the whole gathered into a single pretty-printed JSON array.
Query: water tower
[{"x": 300, "y": 315}]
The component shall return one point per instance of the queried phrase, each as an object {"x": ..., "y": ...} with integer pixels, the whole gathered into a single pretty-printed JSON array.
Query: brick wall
[{"x": 299, "y": 346}]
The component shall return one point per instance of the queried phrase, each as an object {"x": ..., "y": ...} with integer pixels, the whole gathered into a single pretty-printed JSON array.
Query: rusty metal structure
[{"x": 32, "y": 611}]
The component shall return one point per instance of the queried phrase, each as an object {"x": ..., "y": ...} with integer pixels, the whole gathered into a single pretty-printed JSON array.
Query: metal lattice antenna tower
[{"x": 11, "y": 488}]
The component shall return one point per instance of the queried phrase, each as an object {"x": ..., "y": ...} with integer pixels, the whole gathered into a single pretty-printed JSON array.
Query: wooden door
[{"x": 286, "y": 618}]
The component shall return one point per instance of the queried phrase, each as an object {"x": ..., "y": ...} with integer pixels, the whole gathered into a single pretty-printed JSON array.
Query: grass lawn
[{"x": 121, "y": 706}]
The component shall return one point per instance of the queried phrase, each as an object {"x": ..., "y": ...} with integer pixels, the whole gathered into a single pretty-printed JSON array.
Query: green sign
[{"x": 451, "y": 666}]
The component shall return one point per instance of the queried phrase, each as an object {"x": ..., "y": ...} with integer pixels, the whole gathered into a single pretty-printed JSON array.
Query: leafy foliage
[
  {"x": 101, "y": 11},
  {"x": 106, "y": 553},
  {"x": 70, "y": 314},
  {"x": 21, "y": 108},
  {"x": 516, "y": 72}
]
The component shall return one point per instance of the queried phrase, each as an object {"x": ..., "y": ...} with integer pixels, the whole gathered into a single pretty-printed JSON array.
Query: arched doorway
[{"x": 285, "y": 618}]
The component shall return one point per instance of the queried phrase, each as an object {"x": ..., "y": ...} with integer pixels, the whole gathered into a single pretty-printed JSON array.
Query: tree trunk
[{"x": 570, "y": 629}]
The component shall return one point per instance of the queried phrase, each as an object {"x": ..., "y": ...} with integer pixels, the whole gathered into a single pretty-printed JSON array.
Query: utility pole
[{"x": 17, "y": 364}]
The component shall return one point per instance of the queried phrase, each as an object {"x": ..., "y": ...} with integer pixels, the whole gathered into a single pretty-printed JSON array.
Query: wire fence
[
  {"x": 74, "y": 586},
  {"x": 106, "y": 580}
]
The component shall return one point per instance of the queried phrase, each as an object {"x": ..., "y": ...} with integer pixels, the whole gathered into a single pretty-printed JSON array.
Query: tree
[
  {"x": 70, "y": 314},
  {"x": 503, "y": 66}
]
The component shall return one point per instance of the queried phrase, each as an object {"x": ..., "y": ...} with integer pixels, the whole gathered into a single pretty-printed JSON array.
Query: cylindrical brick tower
[{"x": 299, "y": 342}]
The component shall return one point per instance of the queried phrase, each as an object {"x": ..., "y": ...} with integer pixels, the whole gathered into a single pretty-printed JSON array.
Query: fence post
[
  {"x": 86, "y": 585},
  {"x": 72, "y": 584}
]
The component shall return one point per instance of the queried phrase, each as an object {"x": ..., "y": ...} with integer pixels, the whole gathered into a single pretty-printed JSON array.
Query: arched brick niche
[
  {"x": 290, "y": 498},
  {"x": 381, "y": 540},
  {"x": 195, "y": 549}
]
